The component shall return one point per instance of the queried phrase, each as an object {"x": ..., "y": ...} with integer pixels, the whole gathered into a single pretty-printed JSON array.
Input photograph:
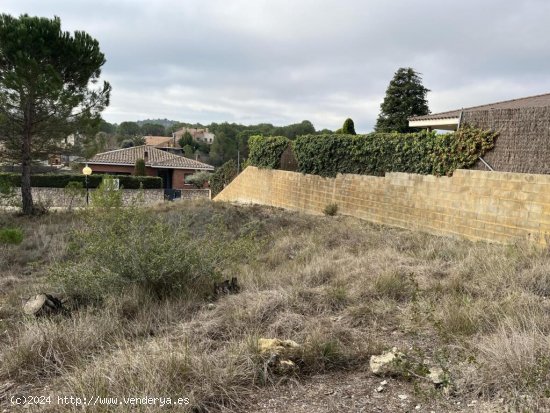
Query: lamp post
[{"x": 87, "y": 171}]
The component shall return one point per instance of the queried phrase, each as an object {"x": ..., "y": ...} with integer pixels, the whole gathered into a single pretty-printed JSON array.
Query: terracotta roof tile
[
  {"x": 158, "y": 140},
  {"x": 155, "y": 158}
]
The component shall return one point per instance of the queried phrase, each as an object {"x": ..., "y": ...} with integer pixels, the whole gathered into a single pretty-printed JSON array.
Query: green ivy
[
  {"x": 266, "y": 152},
  {"x": 223, "y": 176},
  {"x": 377, "y": 153}
]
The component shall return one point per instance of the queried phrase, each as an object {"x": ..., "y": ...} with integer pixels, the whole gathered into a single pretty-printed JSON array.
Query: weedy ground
[{"x": 144, "y": 321}]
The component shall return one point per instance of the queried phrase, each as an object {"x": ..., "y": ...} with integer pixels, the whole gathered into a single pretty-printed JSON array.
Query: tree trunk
[{"x": 26, "y": 194}]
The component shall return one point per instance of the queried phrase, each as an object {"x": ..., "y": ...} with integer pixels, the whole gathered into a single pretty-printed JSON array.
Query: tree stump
[{"x": 42, "y": 305}]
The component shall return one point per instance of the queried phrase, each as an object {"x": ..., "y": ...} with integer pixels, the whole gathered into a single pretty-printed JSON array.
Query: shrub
[
  {"x": 6, "y": 185},
  {"x": 223, "y": 176},
  {"x": 395, "y": 285},
  {"x": 331, "y": 209},
  {"x": 73, "y": 190},
  {"x": 107, "y": 195},
  {"x": 198, "y": 179},
  {"x": 118, "y": 249},
  {"x": 139, "y": 169},
  {"x": 348, "y": 128},
  {"x": 11, "y": 236},
  {"x": 8, "y": 196},
  {"x": 266, "y": 152}
]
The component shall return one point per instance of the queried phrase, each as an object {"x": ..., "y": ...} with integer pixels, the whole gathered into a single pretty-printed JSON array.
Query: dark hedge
[
  {"x": 222, "y": 176},
  {"x": 61, "y": 180}
]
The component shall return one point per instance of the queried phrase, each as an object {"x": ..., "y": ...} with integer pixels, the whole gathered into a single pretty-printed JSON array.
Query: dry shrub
[
  {"x": 173, "y": 368},
  {"x": 395, "y": 285},
  {"x": 287, "y": 325},
  {"x": 244, "y": 314},
  {"x": 42, "y": 348},
  {"x": 537, "y": 279},
  {"x": 330, "y": 210},
  {"x": 319, "y": 271},
  {"x": 373, "y": 313},
  {"x": 514, "y": 360}
]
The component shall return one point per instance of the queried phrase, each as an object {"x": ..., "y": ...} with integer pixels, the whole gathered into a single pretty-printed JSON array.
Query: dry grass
[{"x": 342, "y": 288}]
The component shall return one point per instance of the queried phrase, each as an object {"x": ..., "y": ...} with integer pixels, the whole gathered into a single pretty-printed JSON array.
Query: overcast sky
[{"x": 283, "y": 61}]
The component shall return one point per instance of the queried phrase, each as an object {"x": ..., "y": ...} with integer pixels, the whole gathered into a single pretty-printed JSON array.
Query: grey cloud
[{"x": 283, "y": 61}]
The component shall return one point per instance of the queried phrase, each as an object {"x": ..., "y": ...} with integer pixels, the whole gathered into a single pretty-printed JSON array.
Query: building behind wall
[{"x": 523, "y": 143}]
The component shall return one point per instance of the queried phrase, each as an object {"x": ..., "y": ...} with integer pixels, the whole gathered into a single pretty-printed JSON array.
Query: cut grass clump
[
  {"x": 457, "y": 317},
  {"x": 174, "y": 369},
  {"x": 12, "y": 236},
  {"x": 395, "y": 285},
  {"x": 514, "y": 360},
  {"x": 47, "y": 348}
]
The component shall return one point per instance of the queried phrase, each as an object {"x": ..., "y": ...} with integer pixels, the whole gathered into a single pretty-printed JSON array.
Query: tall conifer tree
[{"x": 405, "y": 97}]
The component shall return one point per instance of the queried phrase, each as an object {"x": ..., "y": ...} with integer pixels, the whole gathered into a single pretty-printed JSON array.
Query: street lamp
[{"x": 87, "y": 171}]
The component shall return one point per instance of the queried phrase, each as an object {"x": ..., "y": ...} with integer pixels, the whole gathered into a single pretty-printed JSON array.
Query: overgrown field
[{"x": 144, "y": 320}]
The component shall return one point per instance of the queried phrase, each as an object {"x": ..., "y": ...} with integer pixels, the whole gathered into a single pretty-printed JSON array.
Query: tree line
[{"x": 230, "y": 142}]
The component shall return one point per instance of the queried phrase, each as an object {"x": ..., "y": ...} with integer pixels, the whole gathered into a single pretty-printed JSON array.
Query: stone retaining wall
[
  {"x": 195, "y": 194},
  {"x": 478, "y": 205},
  {"x": 58, "y": 198}
]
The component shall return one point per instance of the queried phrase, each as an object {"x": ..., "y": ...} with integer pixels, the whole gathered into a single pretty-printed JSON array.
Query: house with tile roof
[
  {"x": 198, "y": 135},
  {"x": 173, "y": 169},
  {"x": 161, "y": 141},
  {"x": 523, "y": 125}
]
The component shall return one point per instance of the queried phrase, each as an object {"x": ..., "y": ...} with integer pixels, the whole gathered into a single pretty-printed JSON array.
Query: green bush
[
  {"x": 349, "y": 127},
  {"x": 198, "y": 179},
  {"x": 74, "y": 190},
  {"x": 11, "y": 236},
  {"x": 266, "y": 152},
  {"x": 139, "y": 169},
  {"x": 120, "y": 249},
  {"x": 377, "y": 153},
  {"x": 107, "y": 195},
  {"x": 223, "y": 176},
  {"x": 62, "y": 180},
  {"x": 8, "y": 196}
]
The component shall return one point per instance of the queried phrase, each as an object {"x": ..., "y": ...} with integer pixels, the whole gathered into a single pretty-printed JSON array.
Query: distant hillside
[{"x": 164, "y": 122}]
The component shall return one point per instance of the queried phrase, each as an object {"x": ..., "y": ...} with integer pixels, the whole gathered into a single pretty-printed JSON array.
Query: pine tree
[
  {"x": 405, "y": 97},
  {"x": 47, "y": 92},
  {"x": 348, "y": 128}
]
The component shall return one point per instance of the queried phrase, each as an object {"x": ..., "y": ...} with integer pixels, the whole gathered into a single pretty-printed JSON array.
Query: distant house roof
[
  {"x": 198, "y": 134},
  {"x": 161, "y": 141},
  {"x": 527, "y": 102},
  {"x": 155, "y": 158}
]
